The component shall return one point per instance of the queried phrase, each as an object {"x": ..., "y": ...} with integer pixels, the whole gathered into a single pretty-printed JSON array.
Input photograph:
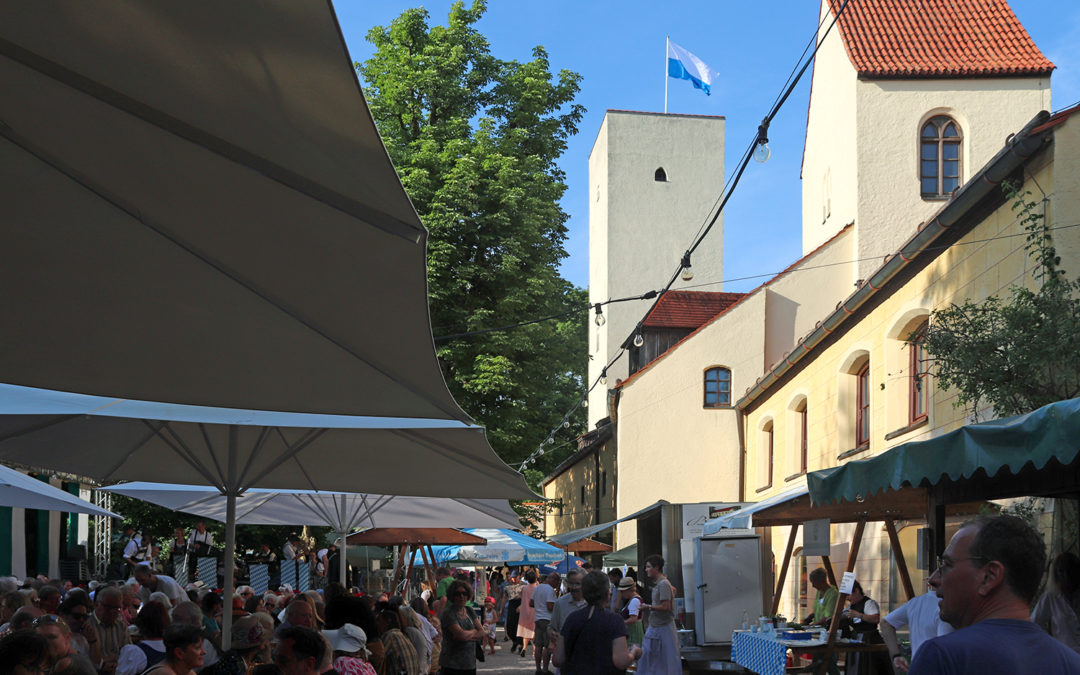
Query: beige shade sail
[{"x": 197, "y": 208}]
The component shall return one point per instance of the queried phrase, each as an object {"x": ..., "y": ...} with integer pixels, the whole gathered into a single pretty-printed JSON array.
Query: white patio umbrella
[
  {"x": 196, "y": 210},
  {"x": 22, "y": 491},
  {"x": 341, "y": 511}
]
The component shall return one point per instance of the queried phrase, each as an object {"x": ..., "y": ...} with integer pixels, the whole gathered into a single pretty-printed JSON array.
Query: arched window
[
  {"x": 717, "y": 388},
  {"x": 765, "y": 457},
  {"x": 660, "y": 176},
  {"x": 862, "y": 406},
  {"x": 919, "y": 381},
  {"x": 939, "y": 157}
]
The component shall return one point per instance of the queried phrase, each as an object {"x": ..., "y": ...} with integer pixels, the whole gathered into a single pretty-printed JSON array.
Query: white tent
[
  {"x": 18, "y": 489},
  {"x": 341, "y": 511},
  {"x": 196, "y": 210}
]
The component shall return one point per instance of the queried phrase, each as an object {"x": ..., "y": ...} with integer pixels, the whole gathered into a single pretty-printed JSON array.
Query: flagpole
[{"x": 667, "y": 51}]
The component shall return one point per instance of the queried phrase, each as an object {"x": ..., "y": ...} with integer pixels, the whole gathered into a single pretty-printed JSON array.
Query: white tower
[{"x": 653, "y": 179}]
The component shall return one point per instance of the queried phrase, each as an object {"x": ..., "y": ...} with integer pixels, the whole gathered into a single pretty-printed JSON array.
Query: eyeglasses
[
  {"x": 81, "y": 616},
  {"x": 47, "y": 620},
  {"x": 461, "y": 594},
  {"x": 945, "y": 563}
]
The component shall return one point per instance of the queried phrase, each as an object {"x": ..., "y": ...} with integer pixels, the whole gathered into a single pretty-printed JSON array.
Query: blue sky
[{"x": 619, "y": 49}]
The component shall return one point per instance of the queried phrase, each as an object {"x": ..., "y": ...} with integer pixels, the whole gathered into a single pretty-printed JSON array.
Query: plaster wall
[
  {"x": 984, "y": 262},
  {"x": 639, "y": 227},
  {"x": 672, "y": 447},
  {"x": 798, "y": 299},
  {"x": 829, "y": 170},
  {"x": 567, "y": 487},
  {"x": 890, "y": 115}
]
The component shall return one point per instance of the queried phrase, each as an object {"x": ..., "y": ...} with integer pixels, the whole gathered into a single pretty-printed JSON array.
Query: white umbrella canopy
[
  {"x": 341, "y": 511},
  {"x": 22, "y": 491}
]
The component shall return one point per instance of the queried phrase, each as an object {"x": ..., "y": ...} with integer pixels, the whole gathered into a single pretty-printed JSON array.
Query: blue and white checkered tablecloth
[
  {"x": 206, "y": 568},
  {"x": 758, "y": 653},
  {"x": 259, "y": 578}
]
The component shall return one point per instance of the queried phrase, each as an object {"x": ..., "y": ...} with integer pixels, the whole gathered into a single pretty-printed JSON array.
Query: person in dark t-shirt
[{"x": 593, "y": 639}]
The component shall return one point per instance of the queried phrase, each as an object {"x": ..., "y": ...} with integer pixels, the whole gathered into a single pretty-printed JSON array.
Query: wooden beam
[
  {"x": 408, "y": 574},
  {"x": 842, "y": 597},
  {"x": 784, "y": 569},
  {"x": 829, "y": 570},
  {"x": 428, "y": 569},
  {"x": 901, "y": 563},
  {"x": 397, "y": 568}
]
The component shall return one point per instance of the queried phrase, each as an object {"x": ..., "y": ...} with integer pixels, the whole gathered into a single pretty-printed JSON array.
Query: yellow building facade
[{"x": 861, "y": 390}]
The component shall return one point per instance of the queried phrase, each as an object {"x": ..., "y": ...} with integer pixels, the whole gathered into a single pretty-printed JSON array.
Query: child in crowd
[{"x": 490, "y": 619}]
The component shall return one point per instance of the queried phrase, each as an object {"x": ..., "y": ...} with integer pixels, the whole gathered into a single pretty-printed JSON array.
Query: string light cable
[{"x": 757, "y": 149}]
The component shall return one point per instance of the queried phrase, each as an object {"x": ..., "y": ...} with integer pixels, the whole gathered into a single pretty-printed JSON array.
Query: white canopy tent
[
  {"x": 214, "y": 275},
  {"x": 341, "y": 511},
  {"x": 27, "y": 492}
]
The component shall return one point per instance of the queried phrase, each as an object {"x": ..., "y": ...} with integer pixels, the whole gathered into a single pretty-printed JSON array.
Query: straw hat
[{"x": 626, "y": 583}]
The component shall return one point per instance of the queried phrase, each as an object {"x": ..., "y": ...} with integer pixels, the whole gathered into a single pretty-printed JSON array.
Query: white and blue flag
[{"x": 682, "y": 65}]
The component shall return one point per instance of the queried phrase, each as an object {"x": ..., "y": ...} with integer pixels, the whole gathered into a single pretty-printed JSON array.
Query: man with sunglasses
[
  {"x": 63, "y": 657},
  {"x": 111, "y": 631},
  {"x": 75, "y": 611},
  {"x": 987, "y": 579}
]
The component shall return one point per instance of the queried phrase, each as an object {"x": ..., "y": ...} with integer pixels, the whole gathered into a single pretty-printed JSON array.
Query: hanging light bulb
[
  {"x": 687, "y": 271},
  {"x": 540, "y": 451},
  {"x": 585, "y": 402},
  {"x": 566, "y": 424},
  {"x": 551, "y": 441},
  {"x": 603, "y": 376},
  {"x": 600, "y": 320},
  {"x": 638, "y": 340},
  {"x": 762, "y": 152}
]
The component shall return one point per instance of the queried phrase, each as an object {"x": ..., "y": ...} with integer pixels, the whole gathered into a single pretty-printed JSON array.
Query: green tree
[
  {"x": 1019, "y": 354},
  {"x": 475, "y": 140}
]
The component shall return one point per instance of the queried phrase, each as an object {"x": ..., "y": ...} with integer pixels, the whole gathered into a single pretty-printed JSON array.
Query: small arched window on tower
[
  {"x": 660, "y": 176},
  {"x": 939, "y": 157}
]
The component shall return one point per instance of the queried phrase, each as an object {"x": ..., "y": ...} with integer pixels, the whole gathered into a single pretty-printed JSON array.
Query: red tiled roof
[
  {"x": 937, "y": 38},
  {"x": 688, "y": 309}
]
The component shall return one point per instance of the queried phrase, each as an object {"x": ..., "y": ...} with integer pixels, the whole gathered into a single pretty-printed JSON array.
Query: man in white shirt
[
  {"x": 920, "y": 615},
  {"x": 543, "y": 602},
  {"x": 135, "y": 551},
  {"x": 200, "y": 540},
  {"x": 150, "y": 582}
]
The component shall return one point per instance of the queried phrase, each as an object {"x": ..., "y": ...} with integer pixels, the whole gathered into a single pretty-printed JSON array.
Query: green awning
[
  {"x": 1050, "y": 433},
  {"x": 624, "y": 556}
]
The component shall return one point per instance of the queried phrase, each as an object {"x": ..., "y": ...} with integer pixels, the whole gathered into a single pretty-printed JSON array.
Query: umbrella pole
[
  {"x": 230, "y": 567},
  {"x": 343, "y": 560}
]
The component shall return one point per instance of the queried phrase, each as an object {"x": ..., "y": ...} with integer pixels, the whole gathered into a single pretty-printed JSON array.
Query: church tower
[
  {"x": 909, "y": 98},
  {"x": 653, "y": 179}
]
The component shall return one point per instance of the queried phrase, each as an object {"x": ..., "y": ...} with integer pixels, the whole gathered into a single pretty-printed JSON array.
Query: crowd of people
[
  {"x": 151, "y": 624},
  {"x": 980, "y": 615}
]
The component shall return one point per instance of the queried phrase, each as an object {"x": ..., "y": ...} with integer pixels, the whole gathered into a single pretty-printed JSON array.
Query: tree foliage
[
  {"x": 1016, "y": 354},
  {"x": 475, "y": 140}
]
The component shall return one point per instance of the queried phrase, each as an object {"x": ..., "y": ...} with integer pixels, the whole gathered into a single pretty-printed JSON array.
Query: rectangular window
[
  {"x": 603, "y": 483},
  {"x": 918, "y": 383},
  {"x": 582, "y": 494},
  {"x": 862, "y": 407},
  {"x": 717, "y": 388}
]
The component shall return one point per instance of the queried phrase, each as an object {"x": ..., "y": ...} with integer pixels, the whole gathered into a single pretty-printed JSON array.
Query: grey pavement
[{"x": 506, "y": 663}]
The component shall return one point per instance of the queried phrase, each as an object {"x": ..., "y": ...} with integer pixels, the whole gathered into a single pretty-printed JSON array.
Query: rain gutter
[{"x": 1016, "y": 152}]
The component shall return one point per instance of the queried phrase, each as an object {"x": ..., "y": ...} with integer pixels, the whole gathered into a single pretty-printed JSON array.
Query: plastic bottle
[{"x": 745, "y": 620}]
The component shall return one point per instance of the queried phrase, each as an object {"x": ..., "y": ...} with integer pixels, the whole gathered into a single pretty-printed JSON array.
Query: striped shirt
[{"x": 113, "y": 637}]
